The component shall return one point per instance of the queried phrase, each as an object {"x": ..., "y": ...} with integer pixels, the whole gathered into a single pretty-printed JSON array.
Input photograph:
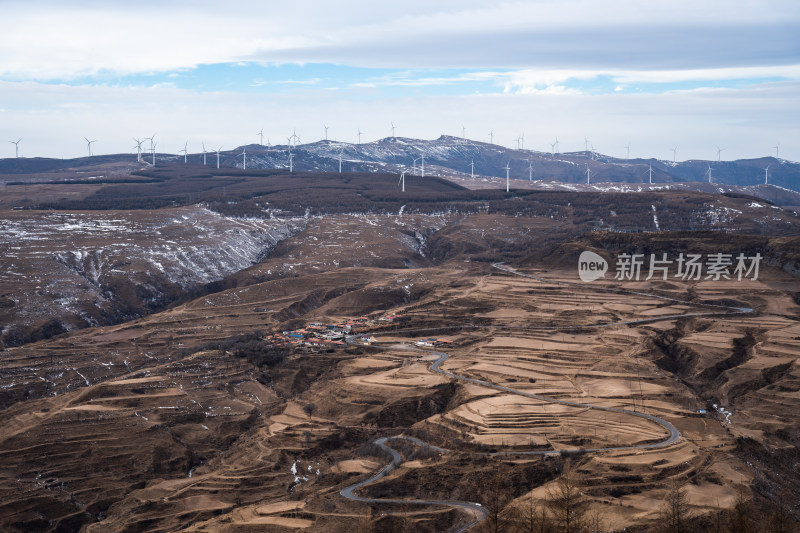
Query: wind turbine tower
[
  {"x": 326, "y": 131},
  {"x": 777, "y": 151},
  {"x": 204, "y": 153},
  {"x": 152, "y": 140},
  {"x": 628, "y": 148},
  {"x": 530, "y": 170},
  {"x": 261, "y": 134},
  {"x": 588, "y": 174},
  {"x": 423, "y": 166},
  {"x": 522, "y": 141},
  {"x": 185, "y": 151},
  {"x": 556, "y": 145},
  {"x": 472, "y": 169},
  {"x": 218, "y": 150},
  {"x": 16, "y": 146},
  {"x": 340, "y": 161},
  {"x": 585, "y": 144},
  {"x": 393, "y": 137},
  {"x": 138, "y": 148},
  {"x": 651, "y": 173},
  {"x": 766, "y": 175},
  {"x": 709, "y": 173},
  {"x": 675, "y": 155},
  {"x": 463, "y": 132},
  {"x": 491, "y": 137},
  {"x": 403, "y": 180},
  {"x": 508, "y": 168},
  {"x": 291, "y": 161},
  {"x": 359, "y": 135},
  {"x": 89, "y": 145},
  {"x": 244, "y": 158}
]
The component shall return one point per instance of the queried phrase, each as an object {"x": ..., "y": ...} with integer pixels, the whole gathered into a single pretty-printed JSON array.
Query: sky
[{"x": 710, "y": 79}]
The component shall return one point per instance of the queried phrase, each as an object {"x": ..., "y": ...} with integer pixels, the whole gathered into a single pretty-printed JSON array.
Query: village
[{"x": 317, "y": 336}]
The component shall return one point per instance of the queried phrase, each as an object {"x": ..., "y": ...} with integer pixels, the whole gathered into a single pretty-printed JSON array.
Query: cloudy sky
[{"x": 655, "y": 75}]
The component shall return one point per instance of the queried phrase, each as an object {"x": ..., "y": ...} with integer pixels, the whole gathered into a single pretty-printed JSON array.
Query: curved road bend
[
  {"x": 348, "y": 492},
  {"x": 673, "y": 433}
]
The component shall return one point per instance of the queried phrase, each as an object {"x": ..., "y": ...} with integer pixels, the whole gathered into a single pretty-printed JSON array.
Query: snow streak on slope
[{"x": 88, "y": 268}]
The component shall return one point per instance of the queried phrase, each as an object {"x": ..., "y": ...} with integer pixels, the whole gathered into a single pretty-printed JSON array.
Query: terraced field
[{"x": 184, "y": 419}]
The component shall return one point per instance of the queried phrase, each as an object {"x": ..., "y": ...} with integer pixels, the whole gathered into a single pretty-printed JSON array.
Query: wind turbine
[
  {"x": 556, "y": 144},
  {"x": 244, "y": 157},
  {"x": 291, "y": 160},
  {"x": 651, "y": 173},
  {"x": 403, "y": 180},
  {"x": 675, "y": 155},
  {"x": 16, "y": 146},
  {"x": 766, "y": 175},
  {"x": 204, "y": 153},
  {"x": 553, "y": 149},
  {"x": 152, "y": 140},
  {"x": 185, "y": 151},
  {"x": 423, "y": 166},
  {"x": 340, "y": 161},
  {"x": 585, "y": 144},
  {"x": 508, "y": 168},
  {"x": 472, "y": 169},
  {"x": 517, "y": 139},
  {"x": 359, "y": 135},
  {"x": 89, "y": 145},
  {"x": 491, "y": 137},
  {"x": 261, "y": 134},
  {"x": 777, "y": 150},
  {"x": 530, "y": 170},
  {"x": 628, "y": 147},
  {"x": 719, "y": 153},
  {"x": 522, "y": 141},
  {"x": 326, "y": 131},
  {"x": 393, "y": 137},
  {"x": 138, "y": 148},
  {"x": 709, "y": 173},
  {"x": 588, "y": 174},
  {"x": 217, "y": 150},
  {"x": 463, "y": 132}
]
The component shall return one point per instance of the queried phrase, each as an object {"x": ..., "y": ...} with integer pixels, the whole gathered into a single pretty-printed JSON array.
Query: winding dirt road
[{"x": 672, "y": 433}]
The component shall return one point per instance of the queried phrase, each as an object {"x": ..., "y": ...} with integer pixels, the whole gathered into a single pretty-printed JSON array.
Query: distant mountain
[{"x": 454, "y": 157}]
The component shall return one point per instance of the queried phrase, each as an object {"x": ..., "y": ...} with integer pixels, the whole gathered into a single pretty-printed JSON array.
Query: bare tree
[
  {"x": 564, "y": 502},
  {"x": 779, "y": 520},
  {"x": 675, "y": 510},
  {"x": 740, "y": 520},
  {"x": 594, "y": 522},
  {"x": 533, "y": 518},
  {"x": 495, "y": 501},
  {"x": 309, "y": 409}
]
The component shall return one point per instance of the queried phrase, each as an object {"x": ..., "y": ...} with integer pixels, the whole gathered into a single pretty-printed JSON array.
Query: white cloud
[{"x": 62, "y": 40}]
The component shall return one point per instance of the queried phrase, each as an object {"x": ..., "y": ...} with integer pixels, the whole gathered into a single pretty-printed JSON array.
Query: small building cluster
[
  {"x": 321, "y": 335},
  {"x": 432, "y": 342}
]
